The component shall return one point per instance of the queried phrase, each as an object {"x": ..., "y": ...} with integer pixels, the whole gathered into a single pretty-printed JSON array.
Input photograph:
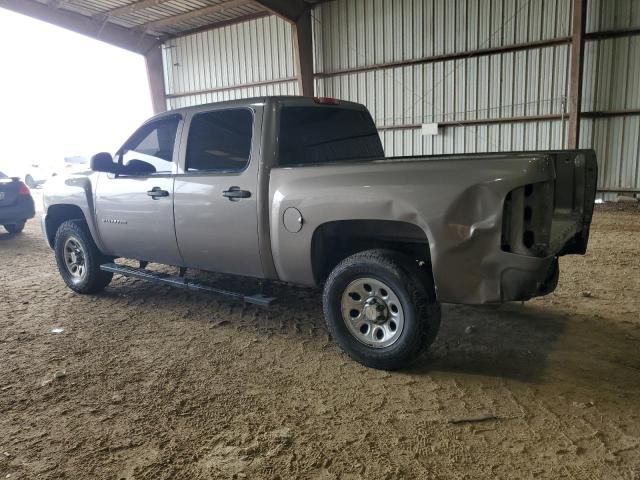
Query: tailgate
[
  {"x": 8, "y": 192},
  {"x": 575, "y": 193},
  {"x": 553, "y": 218}
]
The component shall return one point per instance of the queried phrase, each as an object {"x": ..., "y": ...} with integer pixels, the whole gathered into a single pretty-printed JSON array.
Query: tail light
[{"x": 23, "y": 189}]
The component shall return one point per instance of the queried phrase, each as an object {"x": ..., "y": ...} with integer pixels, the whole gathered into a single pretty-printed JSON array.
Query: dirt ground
[{"x": 148, "y": 382}]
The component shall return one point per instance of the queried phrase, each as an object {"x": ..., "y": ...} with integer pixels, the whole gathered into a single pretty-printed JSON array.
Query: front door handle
[
  {"x": 234, "y": 194},
  {"x": 157, "y": 192}
]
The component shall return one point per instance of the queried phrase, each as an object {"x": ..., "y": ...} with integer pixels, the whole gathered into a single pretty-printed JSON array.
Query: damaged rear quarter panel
[{"x": 456, "y": 201}]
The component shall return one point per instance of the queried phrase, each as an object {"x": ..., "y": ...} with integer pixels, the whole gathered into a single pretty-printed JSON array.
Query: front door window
[{"x": 150, "y": 150}]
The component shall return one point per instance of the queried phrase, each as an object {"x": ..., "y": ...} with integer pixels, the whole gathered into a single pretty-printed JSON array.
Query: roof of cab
[{"x": 289, "y": 100}]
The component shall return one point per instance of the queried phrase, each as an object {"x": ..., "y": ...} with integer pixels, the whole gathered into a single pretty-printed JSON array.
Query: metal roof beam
[
  {"x": 131, "y": 8},
  {"x": 104, "y": 31},
  {"x": 288, "y": 9},
  {"x": 201, "y": 12},
  {"x": 221, "y": 24}
]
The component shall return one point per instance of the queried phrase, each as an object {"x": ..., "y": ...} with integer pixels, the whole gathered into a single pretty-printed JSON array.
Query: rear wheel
[
  {"x": 15, "y": 227},
  {"x": 381, "y": 308},
  {"x": 79, "y": 259}
]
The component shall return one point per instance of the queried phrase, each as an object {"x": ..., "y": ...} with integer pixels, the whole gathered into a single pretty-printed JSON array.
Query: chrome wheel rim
[
  {"x": 74, "y": 258},
  {"x": 372, "y": 312}
]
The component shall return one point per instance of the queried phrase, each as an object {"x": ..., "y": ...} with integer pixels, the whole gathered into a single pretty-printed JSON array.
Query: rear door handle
[
  {"x": 234, "y": 194},
  {"x": 157, "y": 192}
]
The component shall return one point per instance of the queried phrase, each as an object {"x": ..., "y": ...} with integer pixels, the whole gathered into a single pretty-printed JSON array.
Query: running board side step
[{"x": 181, "y": 282}]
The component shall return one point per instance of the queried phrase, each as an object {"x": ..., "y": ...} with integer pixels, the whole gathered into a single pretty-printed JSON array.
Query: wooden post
[{"x": 578, "y": 25}]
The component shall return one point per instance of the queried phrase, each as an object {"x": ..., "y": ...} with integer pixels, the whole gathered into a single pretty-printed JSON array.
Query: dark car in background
[{"x": 16, "y": 204}]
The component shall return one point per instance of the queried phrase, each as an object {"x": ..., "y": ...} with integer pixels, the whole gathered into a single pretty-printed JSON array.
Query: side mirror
[{"x": 103, "y": 162}]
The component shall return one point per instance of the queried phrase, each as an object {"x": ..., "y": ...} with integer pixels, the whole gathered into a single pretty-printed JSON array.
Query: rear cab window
[{"x": 318, "y": 134}]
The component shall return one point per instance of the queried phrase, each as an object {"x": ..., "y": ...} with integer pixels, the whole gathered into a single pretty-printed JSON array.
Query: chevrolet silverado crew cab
[{"x": 298, "y": 190}]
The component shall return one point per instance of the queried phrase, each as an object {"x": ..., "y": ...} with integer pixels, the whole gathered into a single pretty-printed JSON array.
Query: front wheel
[
  {"x": 381, "y": 308},
  {"x": 15, "y": 227},
  {"x": 79, "y": 259}
]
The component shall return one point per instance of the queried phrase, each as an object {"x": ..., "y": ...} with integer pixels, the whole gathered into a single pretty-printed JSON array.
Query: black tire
[
  {"x": 413, "y": 287},
  {"x": 93, "y": 279},
  {"x": 15, "y": 227},
  {"x": 30, "y": 181}
]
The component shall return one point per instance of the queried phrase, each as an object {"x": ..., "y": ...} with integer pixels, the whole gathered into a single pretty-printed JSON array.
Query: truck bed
[{"x": 493, "y": 223}]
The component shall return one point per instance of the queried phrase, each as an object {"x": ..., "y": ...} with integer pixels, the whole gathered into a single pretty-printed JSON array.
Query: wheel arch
[
  {"x": 57, "y": 215},
  {"x": 333, "y": 241}
]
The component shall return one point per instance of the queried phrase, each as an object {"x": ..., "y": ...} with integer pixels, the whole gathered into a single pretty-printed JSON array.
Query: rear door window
[
  {"x": 322, "y": 134},
  {"x": 220, "y": 141}
]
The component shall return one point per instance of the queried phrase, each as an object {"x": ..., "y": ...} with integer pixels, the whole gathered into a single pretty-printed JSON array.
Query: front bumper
[{"x": 20, "y": 211}]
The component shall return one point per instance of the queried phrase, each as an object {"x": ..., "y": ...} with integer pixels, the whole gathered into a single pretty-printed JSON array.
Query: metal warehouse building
[{"x": 495, "y": 75}]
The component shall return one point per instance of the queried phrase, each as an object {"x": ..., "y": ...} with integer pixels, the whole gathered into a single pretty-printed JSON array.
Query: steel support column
[
  {"x": 578, "y": 25},
  {"x": 298, "y": 13},
  {"x": 155, "y": 75},
  {"x": 304, "y": 54}
]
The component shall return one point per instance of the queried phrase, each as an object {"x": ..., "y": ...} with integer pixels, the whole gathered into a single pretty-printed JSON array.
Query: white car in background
[
  {"x": 38, "y": 174},
  {"x": 35, "y": 176}
]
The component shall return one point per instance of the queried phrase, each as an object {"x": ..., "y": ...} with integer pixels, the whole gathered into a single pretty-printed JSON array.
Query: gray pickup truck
[{"x": 298, "y": 190}]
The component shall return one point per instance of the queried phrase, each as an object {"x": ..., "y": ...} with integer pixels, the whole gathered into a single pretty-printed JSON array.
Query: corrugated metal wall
[
  {"x": 352, "y": 33},
  {"x": 230, "y": 62},
  {"x": 612, "y": 82},
  {"x": 362, "y": 34},
  {"x": 493, "y": 86}
]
